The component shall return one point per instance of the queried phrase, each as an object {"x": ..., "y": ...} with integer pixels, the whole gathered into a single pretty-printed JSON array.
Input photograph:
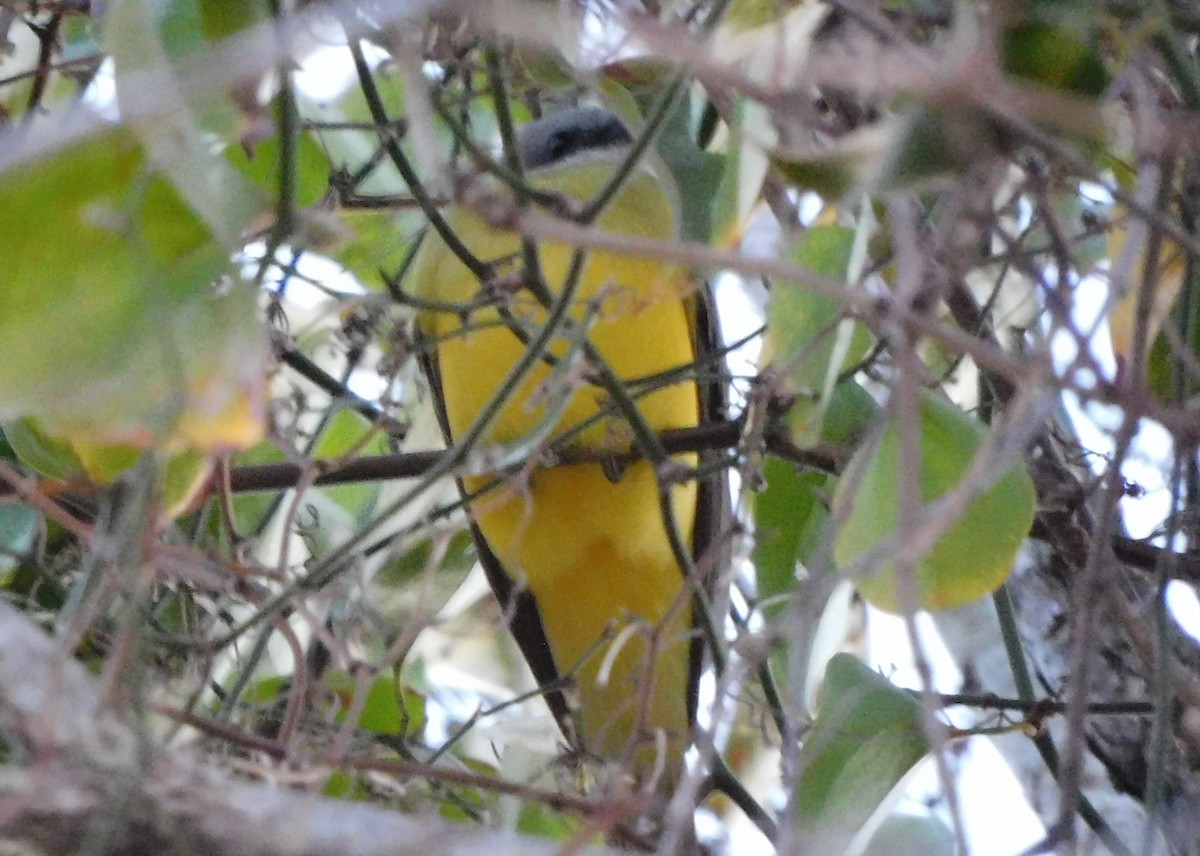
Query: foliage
[{"x": 220, "y": 484}]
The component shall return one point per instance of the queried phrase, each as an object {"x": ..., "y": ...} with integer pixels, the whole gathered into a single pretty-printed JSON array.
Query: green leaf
[
  {"x": 222, "y": 18},
  {"x": 251, "y": 509},
  {"x": 546, "y": 69},
  {"x": 749, "y": 14},
  {"x": 115, "y": 280},
  {"x": 807, "y": 338},
  {"x": 354, "y": 149},
  {"x": 413, "y": 714},
  {"x": 42, "y": 454},
  {"x": 343, "y": 786},
  {"x": 1054, "y": 56},
  {"x": 381, "y": 711},
  {"x": 742, "y": 175},
  {"x": 934, "y": 144},
  {"x": 266, "y": 691},
  {"x": 410, "y": 585},
  {"x": 411, "y": 565},
  {"x": 379, "y": 241},
  {"x": 697, "y": 173},
  {"x": 972, "y": 556},
  {"x": 868, "y": 735},
  {"x": 177, "y": 24},
  {"x": 835, "y": 169},
  {"x": 18, "y": 524},
  {"x": 850, "y": 413},
  {"x": 825, "y": 250},
  {"x": 536, "y": 819},
  {"x": 177, "y": 133},
  {"x": 784, "y": 514},
  {"x": 1160, "y": 369},
  {"x": 831, "y": 174},
  {"x": 911, "y": 835},
  {"x": 260, "y": 164},
  {"x": 348, "y": 433},
  {"x": 389, "y": 708},
  {"x": 181, "y": 475},
  {"x": 30, "y": 582}
]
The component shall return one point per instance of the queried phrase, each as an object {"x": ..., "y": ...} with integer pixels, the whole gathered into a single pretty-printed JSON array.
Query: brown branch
[
  {"x": 47, "y": 36},
  {"x": 403, "y": 465}
]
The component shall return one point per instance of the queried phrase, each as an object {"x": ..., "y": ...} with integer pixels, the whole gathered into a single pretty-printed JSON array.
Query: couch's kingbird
[{"x": 579, "y": 555}]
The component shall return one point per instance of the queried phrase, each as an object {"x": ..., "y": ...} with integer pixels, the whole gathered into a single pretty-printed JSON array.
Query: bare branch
[{"x": 95, "y": 783}]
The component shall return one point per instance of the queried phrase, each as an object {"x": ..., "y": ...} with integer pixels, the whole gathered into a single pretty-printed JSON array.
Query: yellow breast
[{"x": 593, "y": 551}]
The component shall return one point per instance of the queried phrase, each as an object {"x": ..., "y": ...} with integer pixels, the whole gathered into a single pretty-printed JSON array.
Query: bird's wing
[{"x": 710, "y": 540}]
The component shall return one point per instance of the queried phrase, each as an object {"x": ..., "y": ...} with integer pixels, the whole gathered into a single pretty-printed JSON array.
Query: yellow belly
[{"x": 593, "y": 552}]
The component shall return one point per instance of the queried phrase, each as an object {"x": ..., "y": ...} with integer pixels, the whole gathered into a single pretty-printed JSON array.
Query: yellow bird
[{"x": 579, "y": 555}]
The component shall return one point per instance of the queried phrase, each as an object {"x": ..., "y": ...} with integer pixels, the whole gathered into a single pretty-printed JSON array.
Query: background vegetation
[{"x": 239, "y": 612}]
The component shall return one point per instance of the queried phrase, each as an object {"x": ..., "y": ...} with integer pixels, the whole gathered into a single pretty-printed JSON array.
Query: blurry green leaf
[
  {"x": 221, "y": 18},
  {"x": 850, "y": 413},
  {"x": 844, "y": 164},
  {"x": 381, "y": 711},
  {"x": 911, "y": 835},
  {"x": 31, "y": 582},
  {"x": 413, "y": 711},
  {"x": 343, "y": 786},
  {"x": 378, "y": 242},
  {"x": 829, "y": 176},
  {"x": 867, "y": 736},
  {"x": 115, "y": 280},
  {"x": 1160, "y": 370},
  {"x": 181, "y": 475},
  {"x": 697, "y": 173},
  {"x": 748, "y": 14},
  {"x": 783, "y": 513},
  {"x": 744, "y": 169},
  {"x": 796, "y": 317},
  {"x": 176, "y": 135},
  {"x": 177, "y": 24},
  {"x": 413, "y": 585},
  {"x": 78, "y": 38},
  {"x": 934, "y": 144},
  {"x": 974, "y": 553},
  {"x": 725, "y": 221},
  {"x": 266, "y": 691},
  {"x": 353, "y": 149},
  {"x": 1054, "y": 56},
  {"x": 549, "y": 70},
  {"x": 825, "y": 250},
  {"x": 42, "y": 454},
  {"x": 174, "y": 612},
  {"x": 261, "y": 165},
  {"x": 411, "y": 565},
  {"x": 250, "y": 509},
  {"x": 349, "y": 433},
  {"x": 543, "y": 822},
  {"x": 18, "y": 524},
  {"x": 806, "y": 336}
]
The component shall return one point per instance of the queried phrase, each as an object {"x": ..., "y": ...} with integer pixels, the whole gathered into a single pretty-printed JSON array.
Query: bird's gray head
[{"x": 561, "y": 136}]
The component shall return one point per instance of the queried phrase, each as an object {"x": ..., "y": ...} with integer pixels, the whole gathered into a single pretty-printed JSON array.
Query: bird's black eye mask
[{"x": 562, "y": 135}]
